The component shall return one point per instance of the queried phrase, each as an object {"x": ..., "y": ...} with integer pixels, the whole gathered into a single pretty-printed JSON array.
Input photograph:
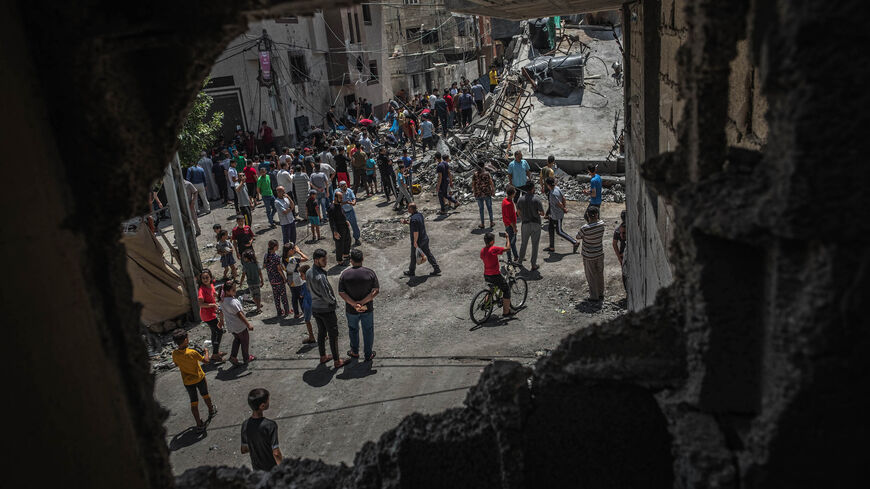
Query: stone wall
[{"x": 746, "y": 371}]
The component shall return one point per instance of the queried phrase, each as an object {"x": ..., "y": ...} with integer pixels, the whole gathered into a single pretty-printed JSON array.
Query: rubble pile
[
  {"x": 382, "y": 232},
  {"x": 573, "y": 188}
]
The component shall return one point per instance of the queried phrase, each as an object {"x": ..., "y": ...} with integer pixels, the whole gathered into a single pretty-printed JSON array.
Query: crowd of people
[{"x": 319, "y": 185}]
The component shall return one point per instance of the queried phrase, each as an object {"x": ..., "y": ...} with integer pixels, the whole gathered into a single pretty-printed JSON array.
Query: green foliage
[{"x": 198, "y": 133}]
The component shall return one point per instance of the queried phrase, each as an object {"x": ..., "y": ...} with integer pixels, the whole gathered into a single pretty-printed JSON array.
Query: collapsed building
[{"x": 742, "y": 366}]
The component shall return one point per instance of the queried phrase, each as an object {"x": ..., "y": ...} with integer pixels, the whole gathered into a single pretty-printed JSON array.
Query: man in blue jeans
[{"x": 358, "y": 286}]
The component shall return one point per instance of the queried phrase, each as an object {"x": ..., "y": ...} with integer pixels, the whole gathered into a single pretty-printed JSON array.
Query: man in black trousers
[
  {"x": 419, "y": 241},
  {"x": 340, "y": 229}
]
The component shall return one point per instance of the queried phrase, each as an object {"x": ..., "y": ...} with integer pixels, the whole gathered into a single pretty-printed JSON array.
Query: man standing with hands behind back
[{"x": 358, "y": 286}]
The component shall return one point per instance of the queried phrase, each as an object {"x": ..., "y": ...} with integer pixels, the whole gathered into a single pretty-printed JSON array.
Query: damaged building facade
[{"x": 745, "y": 371}]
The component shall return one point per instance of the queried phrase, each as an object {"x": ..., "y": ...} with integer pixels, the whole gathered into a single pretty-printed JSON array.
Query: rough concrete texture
[{"x": 773, "y": 388}]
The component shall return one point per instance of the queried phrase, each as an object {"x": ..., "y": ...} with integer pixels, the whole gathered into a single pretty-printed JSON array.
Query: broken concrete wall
[{"x": 746, "y": 371}]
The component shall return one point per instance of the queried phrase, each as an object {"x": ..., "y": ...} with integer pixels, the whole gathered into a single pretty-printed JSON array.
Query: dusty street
[{"x": 428, "y": 352}]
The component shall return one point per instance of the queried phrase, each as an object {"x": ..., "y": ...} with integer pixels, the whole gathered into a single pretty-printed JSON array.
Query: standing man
[
  {"x": 594, "y": 191},
  {"x": 300, "y": 188},
  {"x": 519, "y": 171},
  {"x": 441, "y": 110},
  {"x": 592, "y": 234},
  {"x": 445, "y": 182},
  {"x": 358, "y": 286},
  {"x": 388, "y": 176},
  {"x": 530, "y": 209},
  {"x": 284, "y": 178},
  {"x": 548, "y": 171},
  {"x": 219, "y": 174},
  {"x": 419, "y": 241},
  {"x": 478, "y": 92},
  {"x": 619, "y": 248},
  {"x": 323, "y": 307},
  {"x": 264, "y": 187},
  {"x": 259, "y": 434},
  {"x": 340, "y": 229},
  {"x": 210, "y": 185},
  {"x": 427, "y": 132},
  {"x": 451, "y": 108},
  {"x": 233, "y": 182},
  {"x": 493, "y": 78},
  {"x": 265, "y": 135},
  {"x": 250, "y": 172},
  {"x": 196, "y": 176},
  {"x": 284, "y": 207},
  {"x": 347, "y": 205},
  {"x": 466, "y": 105},
  {"x": 358, "y": 164},
  {"x": 320, "y": 183},
  {"x": 558, "y": 208},
  {"x": 341, "y": 161}
]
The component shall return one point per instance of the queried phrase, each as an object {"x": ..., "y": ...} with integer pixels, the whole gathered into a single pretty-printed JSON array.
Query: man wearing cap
[
  {"x": 347, "y": 205},
  {"x": 340, "y": 229}
]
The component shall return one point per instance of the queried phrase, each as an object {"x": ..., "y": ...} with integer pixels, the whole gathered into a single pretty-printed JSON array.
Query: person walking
[
  {"x": 358, "y": 286},
  {"x": 558, "y": 208},
  {"x": 444, "y": 183},
  {"x": 323, "y": 305},
  {"x": 209, "y": 311},
  {"x": 250, "y": 172},
  {"x": 284, "y": 207},
  {"x": 427, "y": 133},
  {"x": 196, "y": 176},
  {"x": 348, "y": 202},
  {"x": 340, "y": 229},
  {"x": 478, "y": 92},
  {"x": 306, "y": 305},
  {"x": 277, "y": 278},
  {"x": 236, "y": 323},
  {"x": 484, "y": 189},
  {"x": 188, "y": 362},
  {"x": 264, "y": 187},
  {"x": 259, "y": 434},
  {"x": 530, "y": 209},
  {"x": 509, "y": 218},
  {"x": 419, "y": 241},
  {"x": 592, "y": 234},
  {"x": 618, "y": 244}
]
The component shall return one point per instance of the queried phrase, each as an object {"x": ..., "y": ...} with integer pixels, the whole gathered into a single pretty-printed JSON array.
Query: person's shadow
[
  {"x": 187, "y": 438},
  {"x": 553, "y": 257},
  {"x": 356, "y": 370},
  {"x": 232, "y": 372},
  {"x": 588, "y": 306},
  {"x": 319, "y": 376}
]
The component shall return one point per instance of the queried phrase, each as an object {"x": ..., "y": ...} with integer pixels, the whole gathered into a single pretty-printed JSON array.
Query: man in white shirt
[{"x": 284, "y": 178}]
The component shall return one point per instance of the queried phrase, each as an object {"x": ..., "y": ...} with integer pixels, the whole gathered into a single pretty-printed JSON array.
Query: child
[
  {"x": 371, "y": 181},
  {"x": 192, "y": 376},
  {"x": 306, "y": 304},
  {"x": 254, "y": 274},
  {"x": 225, "y": 250},
  {"x": 217, "y": 231},
  {"x": 236, "y": 323},
  {"x": 404, "y": 192},
  {"x": 407, "y": 163},
  {"x": 260, "y": 435},
  {"x": 244, "y": 202},
  {"x": 313, "y": 215},
  {"x": 209, "y": 312},
  {"x": 292, "y": 258},
  {"x": 275, "y": 270}
]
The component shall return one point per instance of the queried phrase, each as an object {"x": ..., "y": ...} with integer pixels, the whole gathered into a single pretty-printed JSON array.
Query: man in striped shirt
[{"x": 592, "y": 235}]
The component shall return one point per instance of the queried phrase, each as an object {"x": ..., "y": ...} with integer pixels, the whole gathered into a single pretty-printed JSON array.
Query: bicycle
[{"x": 485, "y": 300}]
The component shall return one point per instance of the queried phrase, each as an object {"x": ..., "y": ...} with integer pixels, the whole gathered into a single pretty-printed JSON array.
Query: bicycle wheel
[
  {"x": 519, "y": 291},
  {"x": 481, "y": 307}
]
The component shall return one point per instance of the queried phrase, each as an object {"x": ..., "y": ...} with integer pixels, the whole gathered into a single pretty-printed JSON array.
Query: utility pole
[
  {"x": 275, "y": 90},
  {"x": 182, "y": 225}
]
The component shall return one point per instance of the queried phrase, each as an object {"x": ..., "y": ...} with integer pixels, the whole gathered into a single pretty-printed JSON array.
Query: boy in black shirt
[{"x": 260, "y": 435}]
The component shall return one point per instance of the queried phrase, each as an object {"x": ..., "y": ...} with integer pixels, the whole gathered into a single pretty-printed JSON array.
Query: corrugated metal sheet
[{"x": 526, "y": 9}]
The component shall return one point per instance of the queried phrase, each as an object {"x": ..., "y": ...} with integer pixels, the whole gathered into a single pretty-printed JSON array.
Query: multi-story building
[{"x": 430, "y": 47}]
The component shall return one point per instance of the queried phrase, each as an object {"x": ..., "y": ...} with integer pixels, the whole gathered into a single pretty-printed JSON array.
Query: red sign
[{"x": 266, "y": 65}]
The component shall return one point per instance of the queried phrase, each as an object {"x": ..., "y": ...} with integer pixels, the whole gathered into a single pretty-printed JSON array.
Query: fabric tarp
[{"x": 156, "y": 286}]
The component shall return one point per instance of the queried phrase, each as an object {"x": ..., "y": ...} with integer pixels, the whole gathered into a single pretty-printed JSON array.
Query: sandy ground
[{"x": 428, "y": 351}]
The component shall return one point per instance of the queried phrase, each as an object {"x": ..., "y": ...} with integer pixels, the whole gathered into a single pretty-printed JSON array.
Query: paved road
[{"x": 428, "y": 352}]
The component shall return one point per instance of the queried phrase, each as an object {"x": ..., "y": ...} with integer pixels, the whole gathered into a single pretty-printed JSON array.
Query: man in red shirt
[
  {"x": 250, "y": 172},
  {"x": 509, "y": 218},
  {"x": 491, "y": 271}
]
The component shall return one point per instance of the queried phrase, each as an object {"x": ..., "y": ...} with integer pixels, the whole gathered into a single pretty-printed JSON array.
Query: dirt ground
[{"x": 428, "y": 350}]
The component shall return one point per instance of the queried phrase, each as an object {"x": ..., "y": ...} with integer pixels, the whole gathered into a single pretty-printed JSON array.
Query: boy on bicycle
[{"x": 491, "y": 271}]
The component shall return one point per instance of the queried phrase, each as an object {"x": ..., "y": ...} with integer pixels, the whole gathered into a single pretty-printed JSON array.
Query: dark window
[
  {"x": 462, "y": 26},
  {"x": 430, "y": 36},
  {"x": 350, "y": 27},
  {"x": 290, "y": 19},
  {"x": 356, "y": 21},
  {"x": 220, "y": 81},
  {"x": 367, "y": 15},
  {"x": 373, "y": 69},
  {"x": 411, "y": 2},
  {"x": 298, "y": 68},
  {"x": 412, "y": 34},
  {"x": 359, "y": 64},
  {"x": 415, "y": 81}
]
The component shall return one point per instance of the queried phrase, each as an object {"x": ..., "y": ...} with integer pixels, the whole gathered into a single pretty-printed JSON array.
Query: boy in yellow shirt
[{"x": 188, "y": 362}]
